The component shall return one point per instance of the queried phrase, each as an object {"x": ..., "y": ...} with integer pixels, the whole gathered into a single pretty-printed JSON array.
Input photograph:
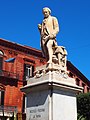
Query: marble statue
[{"x": 49, "y": 28}]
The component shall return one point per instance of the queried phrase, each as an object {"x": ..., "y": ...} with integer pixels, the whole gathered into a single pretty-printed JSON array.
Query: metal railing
[
  {"x": 9, "y": 74},
  {"x": 8, "y": 111},
  {"x": 8, "y": 108}
]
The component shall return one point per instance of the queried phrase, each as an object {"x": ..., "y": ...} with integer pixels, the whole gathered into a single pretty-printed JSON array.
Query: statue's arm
[{"x": 55, "y": 26}]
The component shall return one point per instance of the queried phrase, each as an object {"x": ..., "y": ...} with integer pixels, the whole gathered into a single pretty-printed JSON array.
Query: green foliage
[
  {"x": 80, "y": 117},
  {"x": 83, "y": 106}
]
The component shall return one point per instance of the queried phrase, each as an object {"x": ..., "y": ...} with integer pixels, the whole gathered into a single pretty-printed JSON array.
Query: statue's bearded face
[{"x": 46, "y": 13}]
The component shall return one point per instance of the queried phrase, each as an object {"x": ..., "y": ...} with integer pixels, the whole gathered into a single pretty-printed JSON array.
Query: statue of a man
[{"x": 48, "y": 30}]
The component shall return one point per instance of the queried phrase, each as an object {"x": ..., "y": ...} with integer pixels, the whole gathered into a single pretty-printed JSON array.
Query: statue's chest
[{"x": 49, "y": 23}]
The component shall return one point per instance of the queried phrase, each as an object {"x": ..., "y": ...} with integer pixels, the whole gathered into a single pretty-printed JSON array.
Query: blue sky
[{"x": 19, "y": 19}]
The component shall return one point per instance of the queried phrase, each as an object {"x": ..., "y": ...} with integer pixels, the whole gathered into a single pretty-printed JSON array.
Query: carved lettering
[
  {"x": 37, "y": 113},
  {"x": 41, "y": 110},
  {"x": 33, "y": 111},
  {"x": 38, "y": 116}
]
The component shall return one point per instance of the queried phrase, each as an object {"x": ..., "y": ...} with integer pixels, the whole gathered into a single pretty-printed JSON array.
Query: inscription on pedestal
[
  {"x": 37, "y": 114},
  {"x": 38, "y": 106}
]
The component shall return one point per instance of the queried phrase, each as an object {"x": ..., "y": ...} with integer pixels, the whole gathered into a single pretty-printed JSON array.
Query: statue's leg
[
  {"x": 65, "y": 61},
  {"x": 50, "y": 50},
  {"x": 59, "y": 58},
  {"x": 44, "y": 49}
]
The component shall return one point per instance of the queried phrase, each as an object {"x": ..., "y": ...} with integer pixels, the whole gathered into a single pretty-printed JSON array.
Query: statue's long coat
[{"x": 52, "y": 27}]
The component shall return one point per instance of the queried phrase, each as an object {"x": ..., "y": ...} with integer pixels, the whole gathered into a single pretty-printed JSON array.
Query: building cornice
[{"x": 19, "y": 47}]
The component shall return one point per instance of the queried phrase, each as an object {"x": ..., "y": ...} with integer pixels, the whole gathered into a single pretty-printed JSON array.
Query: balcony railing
[
  {"x": 8, "y": 108},
  {"x": 8, "y": 111},
  {"x": 9, "y": 74}
]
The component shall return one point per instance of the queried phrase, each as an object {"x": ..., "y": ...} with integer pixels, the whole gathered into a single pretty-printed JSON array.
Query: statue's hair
[{"x": 47, "y": 9}]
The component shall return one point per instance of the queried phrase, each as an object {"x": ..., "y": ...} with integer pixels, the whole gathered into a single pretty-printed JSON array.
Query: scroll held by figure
[{"x": 49, "y": 28}]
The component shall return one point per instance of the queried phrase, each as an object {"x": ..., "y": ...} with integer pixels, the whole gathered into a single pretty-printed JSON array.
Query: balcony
[
  {"x": 8, "y": 110},
  {"x": 8, "y": 74}
]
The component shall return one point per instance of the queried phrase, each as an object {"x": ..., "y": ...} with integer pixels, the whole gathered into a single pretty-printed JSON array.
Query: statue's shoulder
[{"x": 53, "y": 17}]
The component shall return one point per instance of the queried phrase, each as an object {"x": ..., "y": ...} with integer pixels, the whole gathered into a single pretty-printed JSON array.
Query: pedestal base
[{"x": 51, "y": 97}]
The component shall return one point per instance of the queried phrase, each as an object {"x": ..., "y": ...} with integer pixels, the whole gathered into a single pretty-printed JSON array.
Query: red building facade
[
  {"x": 80, "y": 79},
  {"x": 17, "y": 64}
]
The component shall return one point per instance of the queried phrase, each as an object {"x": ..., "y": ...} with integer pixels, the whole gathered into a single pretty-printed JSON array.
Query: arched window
[
  {"x": 1, "y": 59},
  {"x": 1, "y": 53}
]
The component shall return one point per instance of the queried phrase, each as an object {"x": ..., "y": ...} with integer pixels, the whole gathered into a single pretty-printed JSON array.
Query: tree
[{"x": 83, "y": 105}]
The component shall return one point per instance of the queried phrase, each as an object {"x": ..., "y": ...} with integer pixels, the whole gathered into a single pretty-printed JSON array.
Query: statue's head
[{"x": 46, "y": 12}]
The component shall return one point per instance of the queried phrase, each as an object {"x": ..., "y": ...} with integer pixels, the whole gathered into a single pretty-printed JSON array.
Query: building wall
[{"x": 13, "y": 82}]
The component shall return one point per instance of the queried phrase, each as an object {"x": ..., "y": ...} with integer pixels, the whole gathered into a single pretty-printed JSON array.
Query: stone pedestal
[{"x": 51, "y": 96}]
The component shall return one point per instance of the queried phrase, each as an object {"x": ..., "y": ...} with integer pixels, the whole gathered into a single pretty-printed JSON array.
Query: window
[
  {"x": 28, "y": 71},
  {"x": 71, "y": 74},
  {"x": 1, "y": 63},
  {"x": 83, "y": 85},
  {"x": 1, "y": 98},
  {"x": 77, "y": 81},
  {"x": 1, "y": 53},
  {"x": 1, "y": 59},
  {"x": 87, "y": 89}
]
